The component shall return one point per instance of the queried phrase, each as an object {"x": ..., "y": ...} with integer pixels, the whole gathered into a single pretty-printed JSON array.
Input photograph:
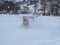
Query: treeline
[
  {"x": 46, "y": 7},
  {"x": 51, "y": 7},
  {"x": 9, "y": 7}
]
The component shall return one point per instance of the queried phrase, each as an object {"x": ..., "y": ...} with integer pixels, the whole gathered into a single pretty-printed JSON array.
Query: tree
[{"x": 35, "y": 5}]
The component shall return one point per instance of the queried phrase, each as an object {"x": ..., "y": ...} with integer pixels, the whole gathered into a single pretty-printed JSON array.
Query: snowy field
[{"x": 44, "y": 30}]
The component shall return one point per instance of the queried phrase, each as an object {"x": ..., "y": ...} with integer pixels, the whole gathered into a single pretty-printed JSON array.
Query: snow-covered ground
[{"x": 44, "y": 30}]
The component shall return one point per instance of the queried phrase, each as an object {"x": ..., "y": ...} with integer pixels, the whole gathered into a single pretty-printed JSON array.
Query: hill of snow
[{"x": 44, "y": 30}]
